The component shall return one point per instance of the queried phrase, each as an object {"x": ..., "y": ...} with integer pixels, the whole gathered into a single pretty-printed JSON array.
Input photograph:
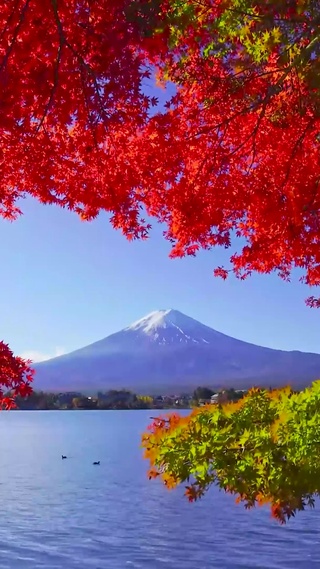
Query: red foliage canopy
[
  {"x": 70, "y": 76},
  {"x": 231, "y": 155},
  {"x": 15, "y": 377},
  {"x": 235, "y": 153}
]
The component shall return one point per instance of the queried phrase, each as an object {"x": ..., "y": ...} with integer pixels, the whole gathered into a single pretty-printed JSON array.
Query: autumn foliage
[
  {"x": 70, "y": 101},
  {"x": 264, "y": 449},
  {"x": 235, "y": 153},
  {"x": 232, "y": 160},
  {"x": 15, "y": 377}
]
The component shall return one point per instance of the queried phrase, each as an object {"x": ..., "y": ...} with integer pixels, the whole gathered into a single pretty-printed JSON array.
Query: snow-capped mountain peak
[
  {"x": 167, "y": 326},
  {"x": 153, "y": 321}
]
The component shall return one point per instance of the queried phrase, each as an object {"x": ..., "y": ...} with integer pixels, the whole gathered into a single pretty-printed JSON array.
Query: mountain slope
[{"x": 167, "y": 350}]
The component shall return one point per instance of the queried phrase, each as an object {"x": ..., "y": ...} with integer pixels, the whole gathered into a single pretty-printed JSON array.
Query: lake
[{"x": 70, "y": 514}]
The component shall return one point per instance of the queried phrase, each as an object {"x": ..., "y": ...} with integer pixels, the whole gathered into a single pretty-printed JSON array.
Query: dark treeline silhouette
[{"x": 124, "y": 399}]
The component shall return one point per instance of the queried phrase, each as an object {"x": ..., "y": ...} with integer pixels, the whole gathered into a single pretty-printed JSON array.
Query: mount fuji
[{"x": 167, "y": 351}]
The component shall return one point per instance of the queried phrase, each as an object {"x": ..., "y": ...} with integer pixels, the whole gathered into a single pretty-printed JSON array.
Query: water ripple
[{"x": 68, "y": 514}]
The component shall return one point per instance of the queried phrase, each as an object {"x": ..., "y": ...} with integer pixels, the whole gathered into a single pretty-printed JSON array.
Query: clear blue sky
[{"x": 66, "y": 283}]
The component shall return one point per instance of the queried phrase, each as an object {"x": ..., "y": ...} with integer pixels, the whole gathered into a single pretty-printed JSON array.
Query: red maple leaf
[{"x": 15, "y": 377}]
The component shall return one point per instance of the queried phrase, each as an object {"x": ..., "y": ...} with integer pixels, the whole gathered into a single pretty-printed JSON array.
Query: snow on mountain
[
  {"x": 150, "y": 323},
  {"x": 169, "y": 351},
  {"x": 168, "y": 326}
]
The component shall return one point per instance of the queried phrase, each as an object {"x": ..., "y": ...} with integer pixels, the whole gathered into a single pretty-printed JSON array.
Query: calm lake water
[{"x": 70, "y": 514}]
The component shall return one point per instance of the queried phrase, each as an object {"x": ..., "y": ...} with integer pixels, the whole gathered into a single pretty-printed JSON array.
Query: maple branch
[
  {"x": 253, "y": 106},
  {"x": 242, "y": 144},
  {"x": 301, "y": 57},
  {"x": 294, "y": 151},
  {"x": 53, "y": 89},
  {"x": 5, "y": 29},
  {"x": 58, "y": 21},
  {"x": 266, "y": 17},
  {"x": 272, "y": 90},
  {"x": 252, "y": 134},
  {"x": 78, "y": 56},
  {"x": 15, "y": 35},
  {"x": 84, "y": 67},
  {"x": 299, "y": 60}
]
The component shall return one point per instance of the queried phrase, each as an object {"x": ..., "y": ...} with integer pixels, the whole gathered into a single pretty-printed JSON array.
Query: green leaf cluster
[
  {"x": 246, "y": 34},
  {"x": 264, "y": 449}
]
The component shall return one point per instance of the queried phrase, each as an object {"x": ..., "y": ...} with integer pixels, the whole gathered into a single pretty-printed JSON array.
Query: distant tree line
[
  {"x": 123, "y": 399},
  {"x": 112, "y": 399}
]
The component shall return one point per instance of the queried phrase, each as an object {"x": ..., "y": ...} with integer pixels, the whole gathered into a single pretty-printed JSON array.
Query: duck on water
[{"x": 96, "y": 462}]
